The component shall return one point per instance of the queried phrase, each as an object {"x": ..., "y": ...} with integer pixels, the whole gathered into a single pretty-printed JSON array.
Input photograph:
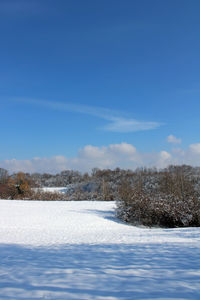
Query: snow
[
  {"x": 79, "y": 250},
  {"x": 53, "y": 189}
]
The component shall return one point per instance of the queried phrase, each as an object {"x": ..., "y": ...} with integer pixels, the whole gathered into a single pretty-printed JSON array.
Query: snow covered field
[
  {"x": 79, "y": 250},
  {"x": 52, "y": 189}
]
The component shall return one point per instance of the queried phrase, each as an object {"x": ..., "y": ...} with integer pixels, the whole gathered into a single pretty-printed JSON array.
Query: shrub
[
  {"x": 47, "y": 196},
  {"x": 8, "y": 191},
  {"x": 173, "y": 203}
]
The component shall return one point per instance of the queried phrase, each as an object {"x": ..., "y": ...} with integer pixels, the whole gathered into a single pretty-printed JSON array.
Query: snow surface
[
  {"x": 61, "y": 190},
  {"x": 79, "y": 250}
]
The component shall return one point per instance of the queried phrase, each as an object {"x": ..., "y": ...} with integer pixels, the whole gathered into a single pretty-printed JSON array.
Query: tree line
[{"x": 169, "y": 197}]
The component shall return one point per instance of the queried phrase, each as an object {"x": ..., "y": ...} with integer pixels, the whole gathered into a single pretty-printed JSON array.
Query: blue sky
[{"x": 75, "y": 74}]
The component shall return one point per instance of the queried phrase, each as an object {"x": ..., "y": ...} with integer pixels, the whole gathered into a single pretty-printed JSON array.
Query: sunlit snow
[{"x": 79, "y": 250}]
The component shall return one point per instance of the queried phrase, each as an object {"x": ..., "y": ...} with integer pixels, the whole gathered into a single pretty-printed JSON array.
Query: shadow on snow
[{"x": 100, "y": 272}]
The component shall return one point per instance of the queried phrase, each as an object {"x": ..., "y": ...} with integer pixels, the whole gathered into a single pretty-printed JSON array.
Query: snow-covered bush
[{"x": 172, "y": 202}]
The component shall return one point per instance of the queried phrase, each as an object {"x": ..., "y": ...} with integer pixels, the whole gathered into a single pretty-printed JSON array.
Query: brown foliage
[
  {"x": 8, "y": 191},
  {"x": 23, "y": 184}
]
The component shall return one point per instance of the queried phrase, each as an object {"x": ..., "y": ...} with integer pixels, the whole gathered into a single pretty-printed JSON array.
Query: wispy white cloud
[
  {"x": 116, "y": 122},
  {"x": 129, "y": 125},
  {"x": 115, "y": 155},
  {"x": 173, "y": 140}
]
